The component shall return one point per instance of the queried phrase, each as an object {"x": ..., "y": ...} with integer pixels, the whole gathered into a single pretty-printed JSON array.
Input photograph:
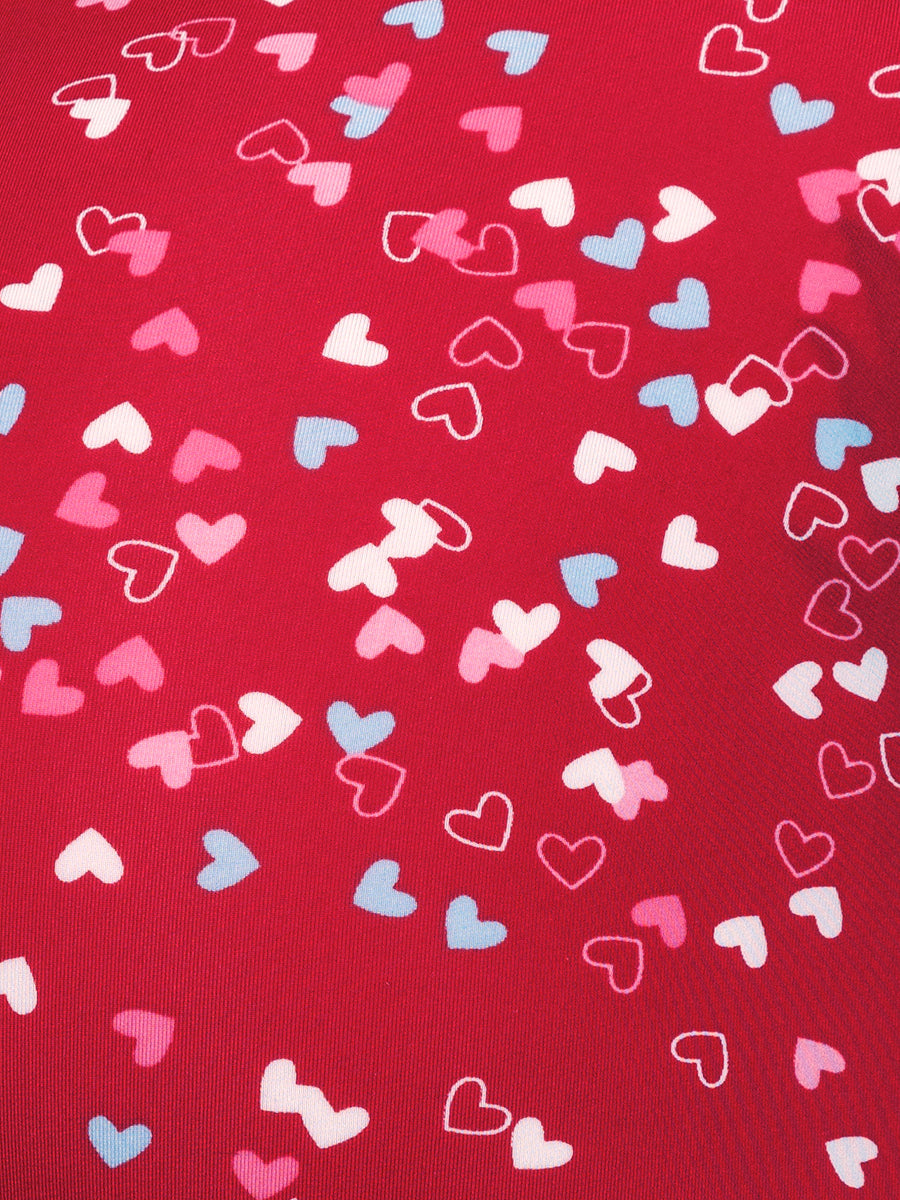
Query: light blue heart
[
  {"x": 466, "y": 932},
  {"x": 232, "y": 861},
  {"x": 425, "y": 16},
  {"x": 678, "y": 393},
  {"x": 689, "y": 311},
  {"x": 10, "y": 545},
  {"x": 313, "y": 436},
  {"x": 117, "y": 1146},
  {"x": 18, "y": 614},
  {"x": 834, "y": 435},
  {"x": 12, "y": 401},
  {"x": 376, "y": 892},
  {"x": 793, "y": 115},
  {"x": 623, "y": 249},
  {"x": 356, "y": 734},
  {"x": 522, "y": 47},
  {"x": 580, "y": 573},
  {"x": 364, "y": 118}
]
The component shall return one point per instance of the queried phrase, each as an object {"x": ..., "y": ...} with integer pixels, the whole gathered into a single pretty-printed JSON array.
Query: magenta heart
[
  {"x": 382, "y": 90},
  {"x": 821, "y": 192},
  {"x": 42, "y": 695},
  {"x": 555, "y": 299},
  {"x": 666, "y": 913},
  {"x": 81, "y": 505},
  {"x": 172, "y": 328},
  {"x": 483, "y": 649},
  {"x": 146, "y": 248},
  {"x": 152, "y": 1034}
]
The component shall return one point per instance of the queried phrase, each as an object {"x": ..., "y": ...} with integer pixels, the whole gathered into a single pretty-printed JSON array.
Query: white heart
[
  {"x": 525, "y": 630},
  {"x": 762, "y": 58},
  {"x": 736, "y": 413},
  {"x": 367, "y": 565},
  {"x": 554, "y": 197},
  {"x": 687, "y": 215},
  {"x": 865, "y": 679},
  {"x": 325, "y": 1126},
  {"x": 824, "y": 904},
  {"x": 103, "y": 115},
  {"x": 122, "y": 424},
  {"x": 90, "y": 853},
  {"x": 883, "y": 164},
  {"x": 846, "y": 1154},
  {"x": 618, "y": 669},
  {"x": 386, "y": 230},
  {"x": 881, "y": 480},
  {"x": 17, "y": 985},
  {"x": 530, "y": 1152},
  {"x": 795, "y": 688},
  {"x": 279, "y": 1091},
  {"x": 37, "y": 296},
  {"x": 273, "y": 721},
  {"x": 347, "y": 343},
  {"x": 748, "y": 934},
  {"x": 414, "y": 532},
  {"x": 599, "y": 768},
  {"x": 681, "y": 548},
  {"x": 596, "y": 452}
]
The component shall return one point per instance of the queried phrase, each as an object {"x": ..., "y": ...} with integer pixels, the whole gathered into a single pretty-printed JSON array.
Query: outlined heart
[
  {"x": 709, "y": 1056},
  {"x": 622, "y": 958},
  {"x": 456, "y": 405},
  {"x": 496, "y": 253},
  {"x": 816, "y": 849},
  {"x": 724, "y": 53},
  {"x": 566, "y": 863},
  {"x": 869, "y": 566},
  {"x": 464, "y": 824},
  {"x": 132, "y": 559},
  {"x": 486, "y": 340},
  {"x": 828, "y": 612},
  {"x": 376, "y": 782},
  {"x": 281, "y": 140},
  {"x": 809, "y": 507},
  {"x": 842, "y": 777},
  {"x": 463, "y": 1115},
  {"x": 604, "y": 342},
  {"x": 94, "y": 247}
]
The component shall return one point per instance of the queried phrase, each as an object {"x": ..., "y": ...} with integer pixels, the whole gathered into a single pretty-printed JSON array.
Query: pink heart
[
  {"x": 42, "y": 695},
  {"x": 501, "y": 258},
  {"x": 200, "y": 450},
  {"x": 262, "y": 1179},
  {"x": 502, "y": 125},
  {"x": 667, "y": 914},
  {"x": 208, "y": 542},
  {"x": 328, "y": 180},
  {"x": 811, "y": 1059},
  {"x": 171, "y": 752},
  {"x": 439, "y": 235},
  {"x": 640, "y": 784},
  {"x": 555, "y": 299},
  {"x": 134, "y": 659},
  {"x": 621, "y": 957},
  {"x": 384, "y": 90},
  {"x": 294, "y": 50},
  {"x": 172, "y": 328},
  {"x": 147, "y": 248},
  {"x": 109, "y": 5},
  {"x": 387, "y": 627},
  {"x": 483, "y": 649},
  {"x": 554, "y": 839},
  {"x": 838, "y": 771},
  {"x": 81, "y": 505},
  {"x": 820, "y": 280},
  {"x": 821, "y": 189},
  {"x": 152, "y": 1034}
]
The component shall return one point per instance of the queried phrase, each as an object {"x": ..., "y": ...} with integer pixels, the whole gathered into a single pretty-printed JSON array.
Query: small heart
[
  {"x": 365, "y": 119},
  {"x": 821, "y": 191},
  {"x": 382, "y": 90},
  {"x": 530, "y": 1150},
  {"x": 117, "y": 1146},
  {"x": 486, "y": 340},
  {"x": 232, "y": 861},
  {"x": 554, "y": 197},
  {"x": 356, "y": 734},
  {"x": 281, "y": 140},
  {"x": 464, "y": 929},
  {"x": 555, "y": 299},
  {"x": 387, "y": 627},
  {"x": 794, "y": 115},
  {"x": 426, "y": 17},
  {"x": 824, "y": 904},
  {"x": 146, "y": 248},
  {"x": 597, "y": 769},
  {"x": 81, "y": 505},
  {"x": 273, "y": 722},
  {"x": 847, "y": 1155},
  {"x": 160, "y": 51},
  {"x": 261, "y": 1179},
  {"x": 525, "y": 630},
  {"x": 605, "y": 344},
  {"x": 210, "y": 542},
  {"x": 12, "y": 401},
  {"x": 294, "y": 50},
  {"x": 39, "y": 295},
  {"x": 623, "y": 249},
  {"x": 155, "y": 564},
  {"x": 313, "y": 436},
  {"x": 619, "y": 670},
  {"x": 389, "y": 224},
  {"x": 723, "y": 53},
  {"x": 483, "y": 649},
  {"x": 687, "y": 215},
  {"x": 172, "y": 328},
  {"x": 641, "y": 783},
  {"x": 865, "y": 679},
  {"x": 325, "y": 1126},
  {"x": 501, "y": 125},
  {"x": 212, "y": 33},
  {"x": 707, "y": 1051},
  {"x": 171, "y": 752},
  {"x": 678, "y": 393},
  {"x": 200, "y": 450},
  {"x": 580, "y": 574},
  {"x": 367, "y": 565},
  {"x": 795, "y": 689},
  {"x": 869, "y": 566},
  {"x": 810, "y": 506},
  {"x": 564, "y": 865},
  {"x": 523, "y": 48},
  {"x": 681, "y": 548},
  {"x": 834, "y": 435},
  {"x": 841, "y": 777},
  {"x": 348, "y": 343},
  {"x": 19, "y": 615},
  {"x": 468, "y": 1116},
  {"x": 18, "y": 986},
  {"x": 152, "y": 1033},
  {"x": 455, "y": 404},
  {"x": 828, "y": 612},
  {"x": 665, "y": 913},
  {"x": 622, "y": 958},
  {"x": 414, "y": 531},
  {"x": 376, "y": 892},
  {"x": 10, "y": 545},
  {"x": 122, "y": 424},
  {"x": 797, "y": 842},
  {"x": 875, "y": 87},
  {"x": 689, "y": 311},
  {"x": 881, "y": 479},
  {"x": 748, "y": 935},
  {"x": 89, "y": 854},
  {"x": 94, "y": 246},
  {"x": 819, "y": 281},
  {"x": 811, "y": 1059},
  {"x": 471, "y": 827},
  {"x": 375, "y": 781},
  {"x": 328, "y": 180}
]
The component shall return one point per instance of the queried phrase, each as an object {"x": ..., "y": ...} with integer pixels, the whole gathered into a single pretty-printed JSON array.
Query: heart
[
  {"x": 102, "y": 115},
  {"x": 117, "y": 1146},
  {"x": 501, "y": 258},
  {"x": 483, "y": 649},
  {"x": 356, "y": 734},
  {"x": 687, "y": 215},
  {"x": 840, "y": 777},
  {"x": 325, "y": 1126},
  {"x": 426, "y": 17},
  {"x": 314, "y": 435},
  {"x": 810, "y": 506},
  {"x": 829, "y": 605},
  {"x": 387, "y": 627},
  {"x": 328, "y": 180},
  {"x": 821, "y": 191},
  {"x": 89, "y": 854},
  {"x": 753, "y": 14},
  {"x": 641, "y": 783},
  {"x": 232, "y": 861},
  {"x": 599, "y": 769},
  {"x": 200, "y": 450},
  {"x": 386, "y": 234},
  {"x": 449, "y": 525},
  {"x": 281, "y": 140},
  {"x": 279, "y": 1091},
  {"x": 793, "y": 115},
  {"x": 596, "y": 452},
  {"x": 122, "y": 424},
  {"x": 460, "y": 822},
  {"x": 208, "y": 542},
  {"x": 465, "y": 420},
  {"x": 678, "y": 393},
  {"x": 834, "y": 435},
  {"x": 621, "y": 957},
  {"x": 152, "y": 1033},
  {"x": 605, "y": 344},
  {"x": 876, "y": 75},
  {"x": 18, "y": 986},
  {"x": 294, "y": 50},
  {"x": 376, "y": 779},
  {"x": 273, "y": 722},
  {"x": 347, "y": 343},
  {"x": 681, "y": 548},
  {"x": 262, "y": 1179},
  {"x": 172, "y": 328},
  {"x": 109, "y": 5},
  {"x": 12, "y": 401},
  {"x": 109, "y": 219},
  {"x": 789, "y": 831},
  {"x": 466, "y": 932},
  {"x": 580, "y": 573},
  {"x": 10, "y": 545},
  {"x": 364, "y": 118},
  {"x": 486, "y": 340},
  {"x": 501, "y": 125},
  {"x": 710, "y": 1057},
  {"x": 880, "y": 215},
  {"x": 813, "y": 351},
  {"x": 795, "y": 689},
  {"x": 865, "y": 679},
  {"x": 666, "y": 913},
  {"x": 468, "y": 1114},
  {"x": 554, "y": 197},
  {"x": 81, "y": 505},
  {"x": 382, "y": 90},
  {"x": 530, "y": 1151},
  {"x": 748, "y": 934},
  {"x": 882, "y": 165},
  {"x": 689, "y": 311},
  {"x": 39, "y": 295},
  {"x": 564, "y": 863},
  {"x": 824, "y": 904},
  {"x": 869, "y": 566},
  {"x": 891, "y": 768},
  {"x": 132, "y": 558},
  {"x": 736, "y": 413},
  {"x": 523, "y": 48},
  {"x": 160, "y": 51},
  {"x": 171, "y": 752},
  {"x": 881, "y": 480},
  {"x": 376, "y": 892},
  {"x": 439, "y": 235},
  {"x": 525, "y": 630},
  {"x": 820, "y": 280},
  {"x": 847, "y": 1155},
  {"x": 619, "y": 670},
  {"x": 367, "y": 565},
  {"x": 19, "y": 615},
  {"x": 623, "y": 249},
  {"x": 555, "y": 299},
  {"x": 213, "y": 33},
  {"x": 146, "y": 249},
  {"x": 724, "y": 45}
]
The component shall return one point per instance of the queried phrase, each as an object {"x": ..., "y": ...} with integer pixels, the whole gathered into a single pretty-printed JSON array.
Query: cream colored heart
[
  {"x": 37, "y": 296},
  {"x": 122, "y": 424},
  {"x": 525, "y": 630},
  {"x": 736, "y": 413},
  {"x": 273, "y": 721},
  {"x": 554, "y": 197},
  {"x": 681, "y": 548},
  {"x": 596, "y": 452},
  {"x": 348, "y": 343},
  {"x": 600, "y": 770},
  {"x": 687, "y": 215},
  {"x": 89, "y": 854},
  {"x": 882, "y": 164}
]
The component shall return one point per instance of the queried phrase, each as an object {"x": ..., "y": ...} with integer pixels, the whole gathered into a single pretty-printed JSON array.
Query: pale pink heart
[
  {"x": 821, "y": 191},
  {"x": 483, "y": 649},
  {"x": 640, "y": 784},
  {"x": 294, "y": 50},
  {"x": 819, "y": 281},
  {"x": 172, "y": 328},
  {"x": 109, "y": 5},
  {"x": 387, "y": 627},
  {"x": 383, "y": 90},
  {"x": 262, "y": 1179},
  {"x": 146, "y": 248},
  {"x": 171, "y": 752},
  {"x": 81, "y": 505},
  {"x": 152, "y": 1034},
  {"x": 42, "y": 695},
  {"x": 328, "y": 180},
  {"x": 208, "y": 542},
  {"x": 811, "y": 1059},
  {"x": 199, "y": 450},
  {"x": 134, "y": 659},
  {"x": 555, "y": 299},
  {"x": 666, "y": 913},
  {"x": 502, "y": 125},
  {"x": 439, "y": 235}
]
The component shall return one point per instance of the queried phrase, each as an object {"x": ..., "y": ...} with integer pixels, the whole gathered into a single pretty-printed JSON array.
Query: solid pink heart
[
  {"x": 666, "y": 913},
  {"x": 81, "y": 505}
]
